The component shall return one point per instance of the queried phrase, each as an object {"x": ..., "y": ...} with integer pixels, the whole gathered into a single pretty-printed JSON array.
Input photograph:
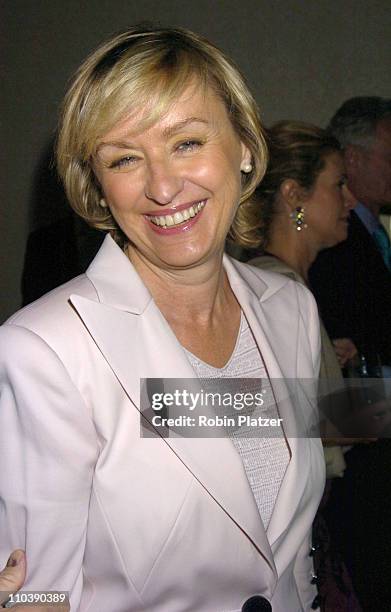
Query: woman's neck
[
  {"x": 292, "y": 247},
  {"x": 195, "y": 294},
  {"x": 198, "y": 304}
]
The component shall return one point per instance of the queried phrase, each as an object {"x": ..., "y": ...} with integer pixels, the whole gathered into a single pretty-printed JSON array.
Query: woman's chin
[
  {"x": 185, "y": 260},
  {"x": 182, "y": 257}
]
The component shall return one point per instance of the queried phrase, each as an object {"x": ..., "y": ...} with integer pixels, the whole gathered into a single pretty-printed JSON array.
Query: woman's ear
[{"x": 292, "y": 195}]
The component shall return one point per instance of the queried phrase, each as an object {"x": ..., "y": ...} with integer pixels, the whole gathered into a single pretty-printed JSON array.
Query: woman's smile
[{"x": 181, "y": 218}]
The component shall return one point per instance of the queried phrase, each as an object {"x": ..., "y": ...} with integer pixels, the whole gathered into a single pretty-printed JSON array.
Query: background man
[
  {"x": 352, "y": 284},
  {"x": 352, "y": 281}
]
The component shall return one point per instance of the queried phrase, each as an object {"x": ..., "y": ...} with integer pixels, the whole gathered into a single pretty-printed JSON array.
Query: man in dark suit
[
  {"x": 352, "y": 281},
  {"x": 352, "y": 285}
]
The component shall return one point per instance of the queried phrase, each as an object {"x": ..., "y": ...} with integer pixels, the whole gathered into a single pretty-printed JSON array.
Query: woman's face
[
  {"x": 328, "y": 206},
  {"x": 174, "y": 187}
]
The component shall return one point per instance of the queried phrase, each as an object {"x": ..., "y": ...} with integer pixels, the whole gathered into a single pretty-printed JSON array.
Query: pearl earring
[
  {"x": 102, "y": 203},
  {"x": 246, "y": 167}
]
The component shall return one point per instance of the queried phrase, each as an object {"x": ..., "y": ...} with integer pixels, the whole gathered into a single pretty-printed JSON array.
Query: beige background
[{"x": 303, "y": 58}]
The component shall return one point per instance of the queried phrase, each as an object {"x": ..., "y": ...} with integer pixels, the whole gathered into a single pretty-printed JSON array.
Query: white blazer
[{"x": 127, "y": 523}]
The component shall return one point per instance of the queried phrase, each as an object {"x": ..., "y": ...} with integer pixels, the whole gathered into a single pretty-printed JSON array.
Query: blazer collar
[
  {"x": 262, "y": 285},
  {"x": 116, "y": 282},
  {"x": 268, "y": 333},
  {"x": 131, "y": 295}
]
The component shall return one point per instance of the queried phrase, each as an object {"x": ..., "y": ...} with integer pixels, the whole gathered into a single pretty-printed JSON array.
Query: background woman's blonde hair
[
  {"x": 148, "y": 68},
  {"x": 297, "y": 151}
]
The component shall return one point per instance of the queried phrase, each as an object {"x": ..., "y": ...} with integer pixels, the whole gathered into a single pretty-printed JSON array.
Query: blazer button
[{"x": 257, "y": 604}]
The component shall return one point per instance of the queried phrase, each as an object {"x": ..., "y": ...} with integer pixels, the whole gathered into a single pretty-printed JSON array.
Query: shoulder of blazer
[
  {"x": 364, "y": 245},
  {"x": 276, "y": 292},
  {"x": 124, "y": 290},
  {"x": 263, "y": 283},
  {"x": 52, "y": 320},
  {"x": 53, "y": 312},
  {"x": 343, "y": 264},
  {"x": 357, "y": 229}
]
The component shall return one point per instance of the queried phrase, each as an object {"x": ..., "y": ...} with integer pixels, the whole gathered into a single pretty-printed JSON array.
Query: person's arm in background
[{"x": 304, "y": 567}]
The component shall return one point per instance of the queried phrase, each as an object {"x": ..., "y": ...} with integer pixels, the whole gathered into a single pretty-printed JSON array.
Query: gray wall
[{"x": 301, "y": 57}]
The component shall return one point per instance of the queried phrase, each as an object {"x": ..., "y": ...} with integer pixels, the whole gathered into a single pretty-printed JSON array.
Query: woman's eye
[
  {"x": 123, "y": 162},
  {"x": 189, "y": 145}
]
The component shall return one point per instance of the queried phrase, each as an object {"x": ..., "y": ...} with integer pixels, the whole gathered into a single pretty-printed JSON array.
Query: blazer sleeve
[
  {"x": 304, "y": 572},
  {"x": 311, "y": 324},
  {"x": 304, "y": 568},
  {"x": 48, "y": 449}
]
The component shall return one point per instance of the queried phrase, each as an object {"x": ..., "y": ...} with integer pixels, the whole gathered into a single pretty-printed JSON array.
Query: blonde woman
[{"x": 160, "y": 144}]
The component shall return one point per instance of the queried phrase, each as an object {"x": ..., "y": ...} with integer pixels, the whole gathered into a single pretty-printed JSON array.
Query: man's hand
[
  {"x": 13, "y": 575},
  {"x": 345, "y": 350},
  {"x": 12, "y": 578}
]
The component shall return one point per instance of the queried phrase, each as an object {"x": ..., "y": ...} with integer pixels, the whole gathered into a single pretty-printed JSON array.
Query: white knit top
[{"x": 265, "y": 459}]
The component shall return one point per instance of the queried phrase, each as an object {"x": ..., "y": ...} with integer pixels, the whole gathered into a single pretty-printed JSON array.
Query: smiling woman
[
  {"x": 141, "y": 77},
  {"x": 183, "y": 173},
  {"x": 160, "y": 144}
]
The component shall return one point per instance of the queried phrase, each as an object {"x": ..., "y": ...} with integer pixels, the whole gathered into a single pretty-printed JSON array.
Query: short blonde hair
[{"x": 149, "y": 68}]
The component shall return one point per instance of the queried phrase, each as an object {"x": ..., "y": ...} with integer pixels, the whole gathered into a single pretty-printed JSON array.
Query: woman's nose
[{"x": 163, "y": 183}]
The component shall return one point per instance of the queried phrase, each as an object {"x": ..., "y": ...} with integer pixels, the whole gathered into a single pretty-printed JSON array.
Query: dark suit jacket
[{"x": 352, "y": 286}]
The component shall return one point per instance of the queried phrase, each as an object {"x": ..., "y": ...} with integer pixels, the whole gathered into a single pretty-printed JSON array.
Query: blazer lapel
[
  {"x": 137, "y": 342},
  {"x": 271, "y": 332}
]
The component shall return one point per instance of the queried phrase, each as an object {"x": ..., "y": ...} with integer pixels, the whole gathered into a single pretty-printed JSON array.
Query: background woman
[
  {"x": 160, "y": 143},
  {"x": 304, "y": 206}
]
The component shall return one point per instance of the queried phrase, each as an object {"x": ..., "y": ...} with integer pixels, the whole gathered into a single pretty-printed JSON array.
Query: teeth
[{"x": 178, "y": 217}]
